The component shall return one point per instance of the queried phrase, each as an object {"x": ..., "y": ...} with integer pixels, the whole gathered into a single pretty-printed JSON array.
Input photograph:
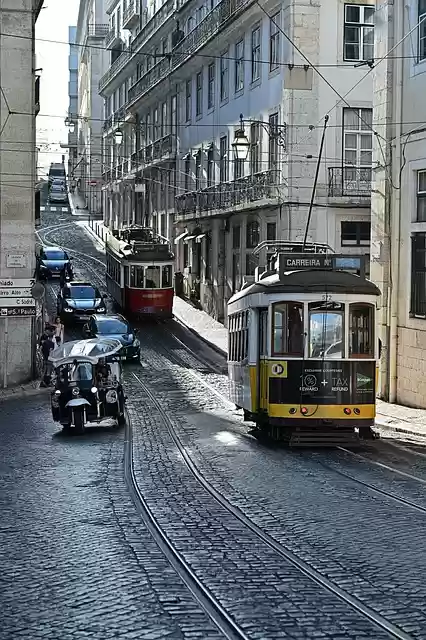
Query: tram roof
[{"x": 310, "y": 281}]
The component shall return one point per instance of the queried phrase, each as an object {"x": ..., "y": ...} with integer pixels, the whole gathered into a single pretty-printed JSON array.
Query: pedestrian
[
  {"x": 59, "y": 331},
  {"x": 47, "y": 346}
]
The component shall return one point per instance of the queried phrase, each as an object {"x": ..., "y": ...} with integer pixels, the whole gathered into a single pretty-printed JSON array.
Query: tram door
[{"x": 262, "y": 361}]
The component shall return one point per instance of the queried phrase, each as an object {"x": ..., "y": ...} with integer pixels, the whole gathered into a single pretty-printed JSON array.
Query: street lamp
[
  {"x": 118, "y": 137},
  {"x": 241, "y": 145}
]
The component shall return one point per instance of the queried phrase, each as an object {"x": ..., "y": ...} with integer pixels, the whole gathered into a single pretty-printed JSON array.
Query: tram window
[
  {"x": 361, "y": 331},
  {"x": 136, "y": 277},
  {"x": 166, "y": 274},
  {"x": 288, "y": 329},
  {"x": 152, "y": 277},
  {"x": 263, "y": 332},
  {"x": 326, "y": 331}
]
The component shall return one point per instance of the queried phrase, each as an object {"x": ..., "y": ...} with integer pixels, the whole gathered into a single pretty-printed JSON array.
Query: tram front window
[
  {"x": 136, "y": 277},
  {"x": 288, "y": 329},
  {"x": 152, "y": 277},
  {"x": 326, "y": 331},
  {"x": 166, "y": 277}
]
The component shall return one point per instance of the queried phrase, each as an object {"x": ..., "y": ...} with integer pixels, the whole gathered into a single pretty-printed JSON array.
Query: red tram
[{"x": 140, "y": 272}]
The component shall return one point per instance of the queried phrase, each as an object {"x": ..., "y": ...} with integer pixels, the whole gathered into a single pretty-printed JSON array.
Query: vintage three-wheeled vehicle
[{"x": 87, "y": 383}]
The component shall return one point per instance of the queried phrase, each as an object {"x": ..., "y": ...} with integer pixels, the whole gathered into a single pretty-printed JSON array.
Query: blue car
[{"x": 51, "y": 263}]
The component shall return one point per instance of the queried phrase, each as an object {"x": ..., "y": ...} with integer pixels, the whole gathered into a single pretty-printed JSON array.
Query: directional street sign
[
  {"x": 10, "y": 292},
  {"x": 17, "y": 282},
  {"x": 17, "y": 311},
  {"x": 17, "y": 302}
]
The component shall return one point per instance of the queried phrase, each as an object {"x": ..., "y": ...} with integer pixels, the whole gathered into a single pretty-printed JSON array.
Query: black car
[
  {"x": 52, "y": 261},
  {"x": 117, "y": 327},
  {"x": 79, "y": 301}
]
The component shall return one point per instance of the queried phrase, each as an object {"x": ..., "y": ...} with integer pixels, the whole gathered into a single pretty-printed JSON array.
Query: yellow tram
[{"x": 303, "y": 349}]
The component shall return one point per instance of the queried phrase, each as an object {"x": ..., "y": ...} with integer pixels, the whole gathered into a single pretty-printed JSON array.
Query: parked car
[
  {"x": 79, "y": 301},
  {"x": 115, "y": 327},
  {"x": 51, "y": 262},
  {"x": 58, "y": 194},
  {"x": 58, "y": 182}
]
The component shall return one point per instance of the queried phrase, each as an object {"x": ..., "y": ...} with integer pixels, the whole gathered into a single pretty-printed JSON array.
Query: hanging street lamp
[{"x": 241, "y": 145}]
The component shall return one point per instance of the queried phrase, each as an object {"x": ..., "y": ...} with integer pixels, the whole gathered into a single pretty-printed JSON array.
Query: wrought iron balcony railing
[
  {"x": 212, "y": 23},
  {"x": 349, "y": 182},
  {"x": 97, "y": 30},
  {"x": 131, "y": 15},
  {"x": 230, "y": 194},
  {"x": 116, "y": 67},
  {"x": 112, "y": 38},
  {"x": 151, "y": 25}
]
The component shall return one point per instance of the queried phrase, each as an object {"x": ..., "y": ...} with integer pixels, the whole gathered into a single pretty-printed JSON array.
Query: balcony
[
  {"x": 225, "y": 11},
  {"x": 97, "y": 30},
  {"x": 349, "y": 182},
  {"x": 107, "y": 124},
  {"x": 115, "y": 68},
  {"x": 156, "y": 21},
  {"x": 131, "y": 15},
  {"x": 112, "y": 39},
  {"x": 227, "y": 195}
]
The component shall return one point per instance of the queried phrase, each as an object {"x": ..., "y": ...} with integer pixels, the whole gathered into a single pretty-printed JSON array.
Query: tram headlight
[
  {"x": 94, "y": 390},
  {"x": 75, "y": 391},
  {"x": 347, "y": 411},
  {"x": 292, "y": 411},
  {"x": 111, "y": 396},
  {"x": 357, "y": 412}
]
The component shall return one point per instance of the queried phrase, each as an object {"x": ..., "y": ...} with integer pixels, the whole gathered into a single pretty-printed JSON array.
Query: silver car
[{"x": 58, "y": 194}]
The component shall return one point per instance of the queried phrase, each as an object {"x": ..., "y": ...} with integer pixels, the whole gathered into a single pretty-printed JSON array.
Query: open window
[
  {"x": 152, "y": 277},
  {"x": 287, "y": 333},
  {"x": 361, "y": 330},
  {"x": 326, "y": 330}
]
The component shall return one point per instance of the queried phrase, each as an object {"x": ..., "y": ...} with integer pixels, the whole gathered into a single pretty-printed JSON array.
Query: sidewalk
[{"x": 391, "y": 417}]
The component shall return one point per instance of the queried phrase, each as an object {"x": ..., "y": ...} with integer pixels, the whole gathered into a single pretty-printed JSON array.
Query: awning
[
  {"x": 200, "y": 237},
  {"x": 189, "y": 238},
  {"x": 179, "y": 237}
]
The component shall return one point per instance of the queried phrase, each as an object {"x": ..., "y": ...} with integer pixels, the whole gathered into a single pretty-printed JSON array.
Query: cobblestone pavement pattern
[{"x": 294, "y": 502}]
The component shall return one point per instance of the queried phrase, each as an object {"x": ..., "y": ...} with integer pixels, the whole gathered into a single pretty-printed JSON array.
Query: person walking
[
  {"x": 47, "y": 345},
  {"x": 59, "y": 332}
]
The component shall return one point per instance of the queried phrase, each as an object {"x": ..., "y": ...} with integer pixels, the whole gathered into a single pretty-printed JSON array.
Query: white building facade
[
  {"x": 72, "y": 117},
  {"x": 399, "y": 199},
  {"x": 92, "y": 62},
  {"x": 19, "y": 106},
  {"x": 182, "y": 75}
]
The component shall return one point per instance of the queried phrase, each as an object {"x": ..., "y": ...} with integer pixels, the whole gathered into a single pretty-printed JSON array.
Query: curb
[
  {"x": 20, "y": 392},
  {"x": 93, "y": 236},
  {"x": 206, "y": 341},
  {"x": 389, "y": 427}
]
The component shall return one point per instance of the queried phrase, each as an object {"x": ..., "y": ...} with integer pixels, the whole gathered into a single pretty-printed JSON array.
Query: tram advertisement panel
[{"x": 324, "y": 382}]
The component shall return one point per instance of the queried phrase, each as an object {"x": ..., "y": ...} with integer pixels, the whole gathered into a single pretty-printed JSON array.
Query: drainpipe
[{"x": 395, "y": 226}]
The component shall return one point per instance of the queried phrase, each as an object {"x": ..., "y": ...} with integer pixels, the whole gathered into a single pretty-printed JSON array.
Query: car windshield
[
  {"x": 113, "y": 326},
  {"x": 84, "y": 293},
  {"x": 55, "y": 255},
  {"x": 57, "y": 187}
]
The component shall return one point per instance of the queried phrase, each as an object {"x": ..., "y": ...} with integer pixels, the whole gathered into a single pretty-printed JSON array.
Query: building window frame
[
  {"x": 360, "y": 30},
  {"x": 211, "y": 81},
  {"x": 421, "y": 196},
  {"x": 274, "y": 42},
  {"x": 360, "y": 230},
  {"x": 210, "y": 167},
  {"x": 418, "y": 275},
  {"x": 199, "y": 93},
  {"x": 357, "y": 152},
  {"x": 255, "y": 148},
  {"x": 224, "y": 76},
  {"x": 198, "y": 168},
  {"x": 188, "y": 100},
  {"x": 223, "y": 159},
  {"x": 239, "y": 66},
  {"x": 422, "y": 31},
  {"x": 255, "y": 53},
  {"x": 273, "y": 148}
]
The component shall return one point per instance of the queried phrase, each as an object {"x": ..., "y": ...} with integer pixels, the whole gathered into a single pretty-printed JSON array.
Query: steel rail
[{"x": 315, "y": 576}]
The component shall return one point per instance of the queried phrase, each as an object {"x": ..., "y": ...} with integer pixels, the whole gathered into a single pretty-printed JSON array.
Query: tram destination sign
[{"x": 320, "y": 261}]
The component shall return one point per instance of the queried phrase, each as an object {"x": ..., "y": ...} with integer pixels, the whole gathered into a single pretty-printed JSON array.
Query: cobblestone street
[{"x": 182, "y": 525}]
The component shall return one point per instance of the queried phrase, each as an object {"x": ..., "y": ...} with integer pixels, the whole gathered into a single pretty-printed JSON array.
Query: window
[
  {"x": 274, "y": 42},
  {"x": 164, "y": 119},
  {"x": 187, "y": 173},
  {"x": 223, "y": 159},
  {"x": 173, "y": 119},
  {"x": 252, "y": 234},
  {"x": 254, "y": 147},
  {"x": 421, "y": 196},
  {"x": 418, "y": 275},
  {"x": 273, "y": 141},
  {"x": 208, "y": 257},
  {"x": 210, "y": 168},
  {"x": 156, "y": 125},
  {"x": 236, "y": 272},
  {"x": 198, "y": 171},
  {"x": 166, "y": 275},
  {"x": 355, "y": 234},
  {"x": 238, "y": 168},
  {"x": 271, "y": 231},
  {"x": 357, "y": 150},
  {"x": 287, "y": 332},
  {"x": 148, "y": 128},
  {"x": 236, "y": 237},
  {"x": 199, "y": 94},
  {"x": 211, "y": 85},
  {"x": 188, "y": 101},
  {"x": 224, "y": 76},
  {"x": 361, "y": 331},
  {"x": 255, "y": 54},
  {"x": 239, "y": 66},
  {"x": 238, "y": 334},
  {"x": 252, "y": 262},
  {"x": 152, "y": 277},
  {"x": 358, "y": 32},
  {"x": 326, "y": 330},
  {"x": 422, "y": 30},
  {"x": 137, "y": 277}
]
